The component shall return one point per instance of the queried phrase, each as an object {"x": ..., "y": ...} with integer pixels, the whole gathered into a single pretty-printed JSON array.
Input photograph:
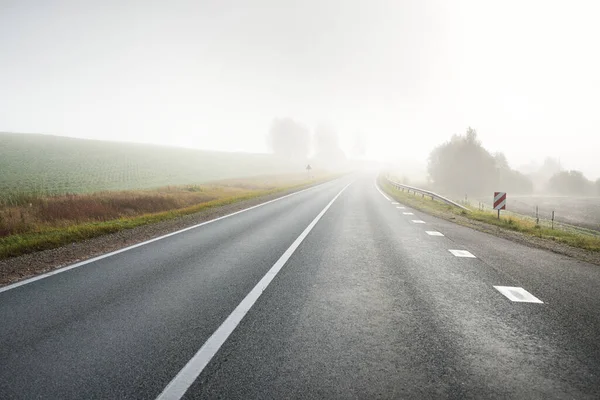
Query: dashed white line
[
  {"x": 417, "y": 221},
  {"x": 395, "y": 203},
  {"x": 407, "y": 213},
  {"x": 401, "y": 208},
  {"x": 462, "y": 253},
  {"x": 383, "y": 194},
  {"x": 176, "y": 389},
  {"x": 434, "y": 233},
  {"x": 518, "y": 294}
]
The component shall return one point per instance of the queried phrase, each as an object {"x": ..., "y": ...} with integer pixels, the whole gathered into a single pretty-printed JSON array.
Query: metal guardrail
[{"x": 434, "y": 196}]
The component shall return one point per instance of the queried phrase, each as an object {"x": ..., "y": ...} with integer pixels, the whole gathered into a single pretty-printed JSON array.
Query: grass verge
[
  {"x": 512, "y": 223},
  {"x": 48, "y": 236}
]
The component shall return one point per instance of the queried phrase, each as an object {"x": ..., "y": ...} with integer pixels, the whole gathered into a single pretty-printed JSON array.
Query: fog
[{"x": 402, "y": 76}]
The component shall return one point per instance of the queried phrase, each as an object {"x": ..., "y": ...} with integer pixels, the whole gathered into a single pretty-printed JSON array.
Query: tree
[
  {"x": 360, "y": 145},
  {"x": 510, "y": 180},
  {"x": 550, "y": 167},
  {"x": 462, "y": 166},
  {"x": 328, "y": 152},
  {"x": 471, "y": 137},
  {"x": 515, "y": 182},
  {"x": 289, "y": 139},
  {"x": 570, "y": 183},
  {"x": 501, "y": 161}
]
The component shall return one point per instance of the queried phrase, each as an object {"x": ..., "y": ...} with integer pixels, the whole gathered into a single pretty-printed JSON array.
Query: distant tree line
[
  {"x": 462, "y": 166},
  {"x": 555, "y": 180},
  {"x": 573, "y": 183},
  {"x": 291, "y": 140}
]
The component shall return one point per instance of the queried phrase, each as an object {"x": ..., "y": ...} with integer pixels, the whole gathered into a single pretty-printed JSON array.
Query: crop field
[{"x": 48, "y": 165}]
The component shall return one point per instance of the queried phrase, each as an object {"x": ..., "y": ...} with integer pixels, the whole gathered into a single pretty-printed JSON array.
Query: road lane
[
  {"x": 186, "y": 377},
  {"x": 371, "y": 306},
  {"x": 123, "y": 326}
]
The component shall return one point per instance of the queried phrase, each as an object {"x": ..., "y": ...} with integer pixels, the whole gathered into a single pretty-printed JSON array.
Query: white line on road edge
[
  {"x": 434, "y": 233},
  {"x": 383, "y": 194},
  {"x": 91, "y": 260},
  {"x": 407, "y": 213},
  {"x": 417, "y": 221},
  {"x": 401, "y": 208},
  {"x": 518, "y": 294},
  {"x": 176, "y": 389},
  {"x": 395, "y": 203},
  {"x": 462, "y": 253}
]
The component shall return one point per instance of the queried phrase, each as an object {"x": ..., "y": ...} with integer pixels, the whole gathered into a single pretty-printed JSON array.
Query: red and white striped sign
[{"x": 499, "y": 200}]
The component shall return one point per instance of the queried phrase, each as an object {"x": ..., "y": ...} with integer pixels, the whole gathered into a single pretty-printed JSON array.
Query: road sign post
[
  {"x": 499, "y": 202},
  {"x": 308, "y": 169}
]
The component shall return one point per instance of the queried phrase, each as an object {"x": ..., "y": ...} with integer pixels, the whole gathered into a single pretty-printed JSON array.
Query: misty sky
[{"x": 213, "y": 74}]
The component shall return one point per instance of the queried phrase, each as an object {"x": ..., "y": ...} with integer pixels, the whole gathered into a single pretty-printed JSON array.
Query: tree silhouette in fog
[
  {"x": 328, "y": 152},
  {"x": 571, "y": 183},
  {"x": 289, "y": 139},
  {"x": 462, "y": 166}
]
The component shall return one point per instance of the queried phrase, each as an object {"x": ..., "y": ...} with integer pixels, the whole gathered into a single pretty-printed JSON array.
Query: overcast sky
[{"x": 213, "y": 74}]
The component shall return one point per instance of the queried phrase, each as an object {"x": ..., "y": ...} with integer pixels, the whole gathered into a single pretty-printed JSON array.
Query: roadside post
[{"x": 499, "y": 202}]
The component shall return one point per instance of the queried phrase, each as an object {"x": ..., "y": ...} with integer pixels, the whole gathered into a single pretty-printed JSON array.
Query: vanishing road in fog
[{"x": 362, "y": 299}]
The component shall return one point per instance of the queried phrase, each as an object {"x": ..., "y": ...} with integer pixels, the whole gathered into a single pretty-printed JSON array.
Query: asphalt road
[{"x": 310, "y": 296}]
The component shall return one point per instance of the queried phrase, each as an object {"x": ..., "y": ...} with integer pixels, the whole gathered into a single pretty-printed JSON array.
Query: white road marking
[
  {"x": 383, "y": 194},
  {"x": 401, "y": 208},
  {"x": 518, "y": 294},
  {"x": 91, "y": 260},
  {"x": 176, "y": 389},
  {"x": 407, "y": 213},
  {"x": 395, "y": 203},
  {"x": 434, "y": 233},
  {"x": 417, "y": 221},
  {"x": 462, "y": 253}
]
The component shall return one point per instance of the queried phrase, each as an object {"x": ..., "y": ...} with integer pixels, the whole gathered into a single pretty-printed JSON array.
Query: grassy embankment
[
  {"x": 49, "y": 222},
  {"x": 511, "y": 223}
]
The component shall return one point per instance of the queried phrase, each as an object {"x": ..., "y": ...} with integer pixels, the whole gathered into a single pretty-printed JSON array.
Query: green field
[{"x": 44, "y": 164}]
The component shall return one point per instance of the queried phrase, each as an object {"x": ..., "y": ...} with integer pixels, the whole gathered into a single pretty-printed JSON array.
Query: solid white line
[
  {"x": 91, "y": 260},
  {"x": 176, "y": 389},
  {"x": 518, "y": 294},
  {"x": 383, "y": 194}
]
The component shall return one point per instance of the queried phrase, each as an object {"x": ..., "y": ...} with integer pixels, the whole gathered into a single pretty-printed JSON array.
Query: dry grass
[
  {"x": 61, "y": 211},
  {"x": 49, "y": 222}
]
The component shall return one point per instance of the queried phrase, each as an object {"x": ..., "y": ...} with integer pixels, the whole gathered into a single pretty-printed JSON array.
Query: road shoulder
[{"x": 518, "y": 237}]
